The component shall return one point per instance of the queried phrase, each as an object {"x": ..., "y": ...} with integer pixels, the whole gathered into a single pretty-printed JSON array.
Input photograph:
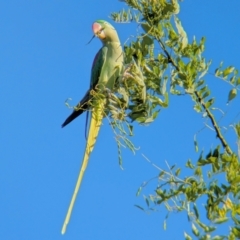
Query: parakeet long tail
[{"x": 95, "y": 124}]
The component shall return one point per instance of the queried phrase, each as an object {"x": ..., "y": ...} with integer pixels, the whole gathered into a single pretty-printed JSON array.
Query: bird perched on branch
[{"x": 106, "y": 68}]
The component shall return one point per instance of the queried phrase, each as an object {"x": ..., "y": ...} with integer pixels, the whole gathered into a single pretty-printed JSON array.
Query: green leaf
[
  {"x": 195, "y": 210},
  {"x": 206, "y": 94},
  {"x": 139, "y": 191},
  {"x": 206, "y": 67},
  {"x": 175, "y": 6},
  {"x": 218, "y": 237},
  {"x": 195, "y": 143},
  {"x": 161, "y": 174},
  {"x": 195, "y": 230},
  {"x": 210, "y": 229},
  {"x": 139, "y": 207},
  {"x": 236, "y": 221},
  {"x": 221, "y": 64},
  {"x": 236, "y": 232},
  {"x": 182, "y": 33},
  {"x": 232, "y": 94},
  {"x": 198, "y": 172},
  {"x": 129, "y": 144},
  {"x": 238, "y": 81},
  {"x": 187, "y": 237},
  {"x": 178, "y": 171},
  {"x": 165, "y": 224},
  {"x": 205, "y": 237},
  {"x": 147, "y": 201},
  {"x": 209, "y": 103},
  {"x": 227, "y": 71},
  {"x": 237, "y": 129},
  {"x": 146, "y": 27},
  {"x": 202, "y": 90},
  {"x": 197, "y": 107},
  {"x": 189, "y": 164},
  {"x": 221, "y": 220},
  {"x": 155, "y": 114},
  {"x": 235, "y": 180},
  {"x": 232, "y": 79},
  {"x": 180, "y": 63},
  {"x": 172, "y": 35},
  {"x": 202, "y": 225},
  {"x": 199, "y": 83},
  {"x": 172, "y": 167},
  {"x": 217, "y": 72},
  {"x": 182, "y": 76},
  {"x": 147, "y": 40}
]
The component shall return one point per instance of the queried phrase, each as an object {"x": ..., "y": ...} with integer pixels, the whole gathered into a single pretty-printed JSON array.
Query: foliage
[{"x": 149, "y": 78}]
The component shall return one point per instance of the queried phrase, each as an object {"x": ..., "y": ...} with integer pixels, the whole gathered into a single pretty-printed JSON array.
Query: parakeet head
[{"x": 105, "y": 31}]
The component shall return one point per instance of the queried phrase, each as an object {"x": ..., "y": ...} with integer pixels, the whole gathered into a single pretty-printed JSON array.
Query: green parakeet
[{"x": 106, "y": 68}]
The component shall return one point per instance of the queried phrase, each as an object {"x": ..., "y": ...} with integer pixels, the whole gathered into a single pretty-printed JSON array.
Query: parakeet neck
[
  {"x": 111, "y": 37},
  {"x": 113, "y": 43}
]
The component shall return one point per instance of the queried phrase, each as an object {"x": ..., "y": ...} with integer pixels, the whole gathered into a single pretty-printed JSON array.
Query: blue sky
[{"x": 44, "y": 60}]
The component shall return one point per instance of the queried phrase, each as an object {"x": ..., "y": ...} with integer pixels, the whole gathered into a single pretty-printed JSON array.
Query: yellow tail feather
[{"x": 96, "y": 120}]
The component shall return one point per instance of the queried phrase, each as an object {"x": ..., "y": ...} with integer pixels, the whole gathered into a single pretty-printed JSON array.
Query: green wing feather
[
  {"x": 95, "y": 74},
  {"x": 97, "y": 66}
]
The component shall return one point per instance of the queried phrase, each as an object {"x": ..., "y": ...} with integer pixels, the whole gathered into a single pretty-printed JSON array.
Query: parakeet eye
[
  {"x": 100, "y": 31},
  {"x": 101, "y": 34}
]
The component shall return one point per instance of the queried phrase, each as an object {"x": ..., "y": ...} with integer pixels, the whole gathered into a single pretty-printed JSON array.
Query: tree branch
[
  {"x": 215, "y": 125},
  {"x": 170, "y": 60},
  {"x": 209, "y": 114}
]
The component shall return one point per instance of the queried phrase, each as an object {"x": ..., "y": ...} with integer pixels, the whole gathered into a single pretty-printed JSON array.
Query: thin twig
[{"x": 214, "y": 123}]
